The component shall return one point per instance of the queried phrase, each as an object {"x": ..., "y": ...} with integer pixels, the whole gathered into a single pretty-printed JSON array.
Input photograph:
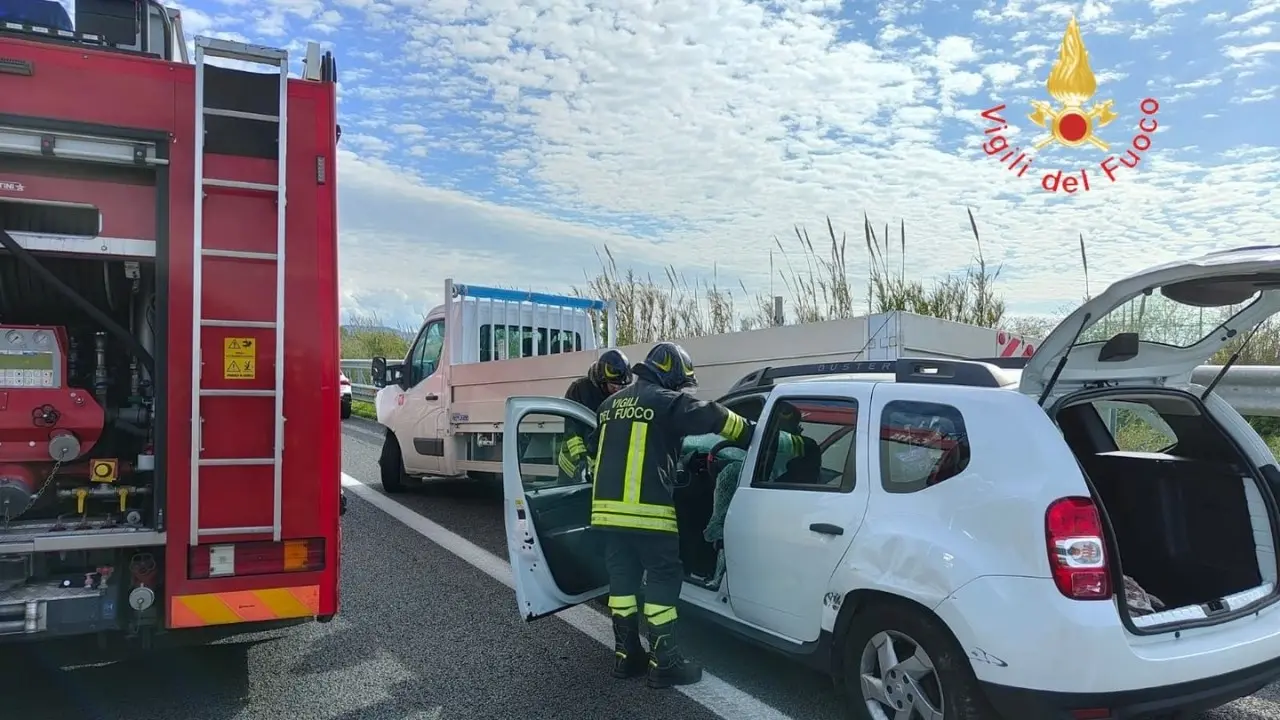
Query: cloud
[
  {"x": 507, "y": 143},
  {"x": 1242, "y": 52},
  {"x": 401, "y": 239}
]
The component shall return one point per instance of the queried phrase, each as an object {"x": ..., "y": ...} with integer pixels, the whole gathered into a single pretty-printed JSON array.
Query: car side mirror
[
  {"x": 395, "y": 374},
  {"x": 378, "y": 372}
]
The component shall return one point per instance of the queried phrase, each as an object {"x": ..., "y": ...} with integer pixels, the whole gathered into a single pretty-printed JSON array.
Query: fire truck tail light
[{"x": 255, "y": 558}]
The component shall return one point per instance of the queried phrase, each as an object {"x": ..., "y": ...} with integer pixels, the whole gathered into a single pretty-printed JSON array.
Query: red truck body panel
[{"x": 84, "y": 86}]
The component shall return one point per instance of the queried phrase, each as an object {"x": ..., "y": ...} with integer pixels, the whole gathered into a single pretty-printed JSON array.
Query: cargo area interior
[{"x": 1187, "y": 515}]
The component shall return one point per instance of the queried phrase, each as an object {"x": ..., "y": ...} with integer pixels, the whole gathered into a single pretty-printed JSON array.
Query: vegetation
[
  {"x": 815, "y": 275},
  {"x": 363, "y": 409},
  {"x": 366, "y": 337},
  {"x": 818, "y": 285}
]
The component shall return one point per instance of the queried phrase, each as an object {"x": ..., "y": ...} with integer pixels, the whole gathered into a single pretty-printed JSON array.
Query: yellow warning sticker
[
  {"x": 239, "y": 347},
  {"x": 239, "y": 358},
  {"x": 239, "y": 369}
]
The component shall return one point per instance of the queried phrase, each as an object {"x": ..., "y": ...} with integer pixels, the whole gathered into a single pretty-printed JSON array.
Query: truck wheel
[
  {"x": 392, "y": 465},
  {"x": 897, "y": 658}
]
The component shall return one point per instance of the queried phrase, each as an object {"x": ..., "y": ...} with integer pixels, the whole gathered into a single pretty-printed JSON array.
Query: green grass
[{"x": 363, "y": 409}]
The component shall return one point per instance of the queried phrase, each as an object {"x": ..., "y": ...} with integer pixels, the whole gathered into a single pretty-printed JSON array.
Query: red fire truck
[{"x": 169, "y": 444}]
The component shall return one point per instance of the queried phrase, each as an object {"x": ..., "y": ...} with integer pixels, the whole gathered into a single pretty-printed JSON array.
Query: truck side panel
[
  {"x": 241, "y": 427},
  {"x": 142, "y": 94}
]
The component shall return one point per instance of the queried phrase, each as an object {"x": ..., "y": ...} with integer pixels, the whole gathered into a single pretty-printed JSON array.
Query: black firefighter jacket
[{"x": 637, "y": 444}]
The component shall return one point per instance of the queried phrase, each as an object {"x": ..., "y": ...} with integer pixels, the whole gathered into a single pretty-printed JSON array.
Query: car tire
[
  {"x": 346, "y": 410},
  {"x": 392, "y": 465},
  {"x": 949, "y": 679}
]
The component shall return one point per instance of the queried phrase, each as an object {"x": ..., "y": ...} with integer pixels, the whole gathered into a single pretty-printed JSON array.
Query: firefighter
[
  {"x": 607, "y": 375},
  {"x": 638, "y": 442}
]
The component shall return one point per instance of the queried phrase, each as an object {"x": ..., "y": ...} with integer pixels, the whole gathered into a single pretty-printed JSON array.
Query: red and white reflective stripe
[{"x": 1010, "y": 345}]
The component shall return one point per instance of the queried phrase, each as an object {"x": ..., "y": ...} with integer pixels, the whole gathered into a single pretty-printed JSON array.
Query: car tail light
[
  {"x": 343, "y": 381},
  {"x": 1077, "y": 552},
  {"x": 255, "y": 558}
]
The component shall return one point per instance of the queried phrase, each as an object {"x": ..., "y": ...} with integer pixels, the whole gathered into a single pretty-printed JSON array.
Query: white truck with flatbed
[
  {"x": 443, "y": 405},
  {"x": 976, "y": 541}
]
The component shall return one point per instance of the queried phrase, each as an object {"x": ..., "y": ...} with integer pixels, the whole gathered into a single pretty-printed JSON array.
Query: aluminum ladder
[{"x": 258, "y": 55}]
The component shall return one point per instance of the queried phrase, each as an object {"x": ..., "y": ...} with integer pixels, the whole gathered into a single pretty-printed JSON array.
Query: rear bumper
[{"x": 1194, "y": 696}]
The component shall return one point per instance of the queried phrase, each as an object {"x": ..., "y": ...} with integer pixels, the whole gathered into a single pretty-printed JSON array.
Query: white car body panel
[
  {"x": 769, "y": 528},
  {"x": 1027, "y": 625},
  {"x": 912, "y": 546}
]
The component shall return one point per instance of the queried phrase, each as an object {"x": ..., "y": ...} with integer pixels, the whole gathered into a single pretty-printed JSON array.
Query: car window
[
  {"x": 426, "y": 352},
  {"x": 921, "y": 444},
  {"x": 748, "y": 407},
  {"x": 502, "y": 342},
  {"x": 808, "y": 445},
  {"x": 1135, "y": 426}
]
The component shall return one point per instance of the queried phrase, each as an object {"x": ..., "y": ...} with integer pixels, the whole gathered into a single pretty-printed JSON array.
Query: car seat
[{"x": 805, "y": 468}]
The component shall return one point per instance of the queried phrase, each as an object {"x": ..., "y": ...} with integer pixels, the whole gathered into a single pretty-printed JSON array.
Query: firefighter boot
[
  {"x": 629, "y": 658},
  {"x": 668, "y": 666}
]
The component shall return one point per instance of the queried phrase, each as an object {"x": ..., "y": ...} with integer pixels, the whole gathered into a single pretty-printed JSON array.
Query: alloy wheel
[{"x": 898, "y": 679}]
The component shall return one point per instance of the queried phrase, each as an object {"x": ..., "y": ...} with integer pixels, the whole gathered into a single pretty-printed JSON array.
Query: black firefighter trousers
[{"x": 629, "y": 556}]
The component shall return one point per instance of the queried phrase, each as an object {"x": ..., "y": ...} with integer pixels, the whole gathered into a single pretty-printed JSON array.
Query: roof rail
[{"x": 936, "y": 371}]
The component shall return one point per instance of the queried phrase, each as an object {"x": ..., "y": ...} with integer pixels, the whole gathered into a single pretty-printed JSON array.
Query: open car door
[{"x": 555, "y": 562}]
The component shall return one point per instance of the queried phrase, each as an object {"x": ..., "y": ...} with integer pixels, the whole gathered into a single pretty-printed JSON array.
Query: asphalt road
[{"x": 422, "y": 635}]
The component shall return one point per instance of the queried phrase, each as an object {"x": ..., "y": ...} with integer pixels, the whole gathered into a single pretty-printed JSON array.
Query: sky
[{"x": 508, "y": 142}]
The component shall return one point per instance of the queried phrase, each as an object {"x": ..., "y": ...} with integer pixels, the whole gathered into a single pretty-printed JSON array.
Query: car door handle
[
  {"x": 431, "y": 396},
  {"x": 827, "y": 529}
]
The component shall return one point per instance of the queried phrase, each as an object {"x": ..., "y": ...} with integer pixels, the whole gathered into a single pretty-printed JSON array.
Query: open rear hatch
[
  {"x": 1160, "y": 324},
  {"x": 1191, "y": 519}
]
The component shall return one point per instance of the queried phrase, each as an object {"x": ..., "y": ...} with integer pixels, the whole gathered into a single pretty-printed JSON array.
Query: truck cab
[{"x": 443, "y": 402}]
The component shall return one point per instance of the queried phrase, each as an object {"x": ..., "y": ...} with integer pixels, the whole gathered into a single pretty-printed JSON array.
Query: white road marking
[{"x": 716, "y": 695}]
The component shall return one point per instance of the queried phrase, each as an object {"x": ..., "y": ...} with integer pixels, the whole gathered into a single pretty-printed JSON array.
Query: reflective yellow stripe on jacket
[
  {"x": 734, "y": 425},
  {"x": 570, "y": 452},
  {"x": 629, "y": 513}
]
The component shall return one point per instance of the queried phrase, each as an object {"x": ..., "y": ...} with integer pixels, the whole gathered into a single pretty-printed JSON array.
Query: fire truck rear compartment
[{"x": 78, "y": 487}]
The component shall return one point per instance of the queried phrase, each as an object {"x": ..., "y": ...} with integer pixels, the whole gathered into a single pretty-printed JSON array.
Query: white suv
[{"x": 1101, "y": 544}]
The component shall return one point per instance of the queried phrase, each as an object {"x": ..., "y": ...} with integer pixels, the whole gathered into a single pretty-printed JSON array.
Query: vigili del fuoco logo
[{"x": 1072, "y": 121}]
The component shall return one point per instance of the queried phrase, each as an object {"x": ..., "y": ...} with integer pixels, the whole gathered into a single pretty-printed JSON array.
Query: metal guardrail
[
  {"x": 1253, "y": 390},
  {"x": 357, "y": 371}
]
